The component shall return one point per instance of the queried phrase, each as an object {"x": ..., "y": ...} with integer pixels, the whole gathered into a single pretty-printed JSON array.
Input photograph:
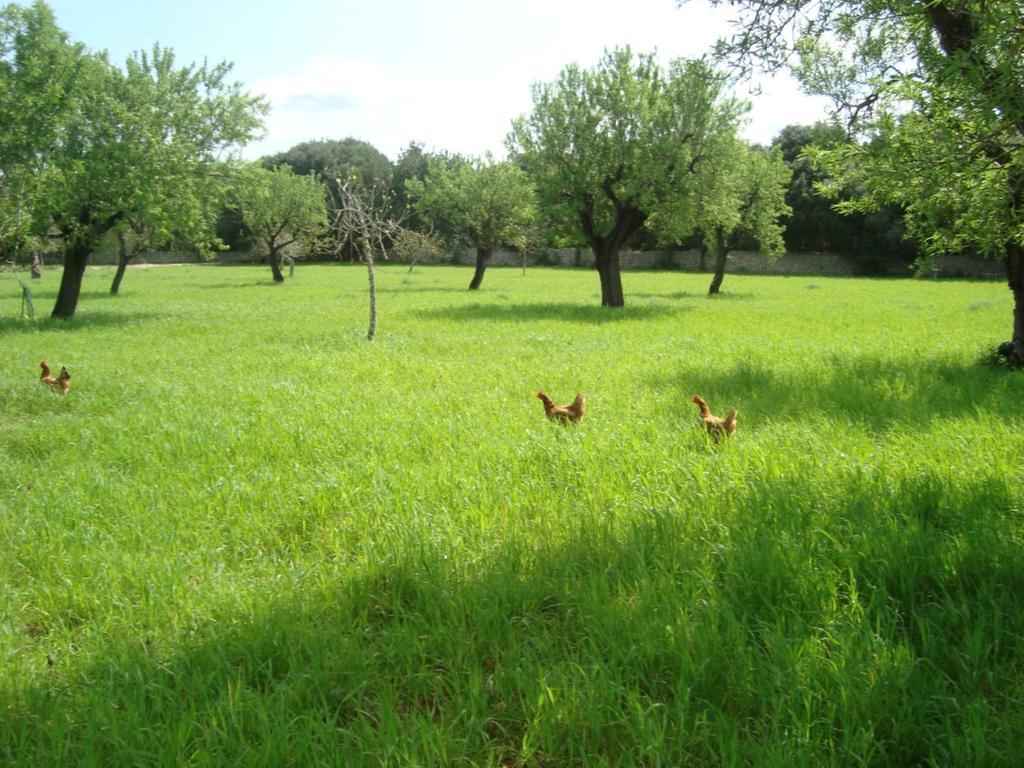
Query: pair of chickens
[{"x": 716, "y": 426}]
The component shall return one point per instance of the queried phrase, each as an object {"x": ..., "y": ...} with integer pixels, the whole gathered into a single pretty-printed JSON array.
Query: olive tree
[
  {"x": 486, "y": 203},
  {"x": 281, "y": 208},
  {"x": 742, "y": 193},
  {"x": 611, "y": 146}
]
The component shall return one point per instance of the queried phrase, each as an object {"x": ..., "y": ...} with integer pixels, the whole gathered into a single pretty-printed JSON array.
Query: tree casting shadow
[
  {"x": 87, "y": 318},
  {"x": 562, "y": 311},
  {"x": 669, "y": 616},
  {"x": 883, "y": 394}
]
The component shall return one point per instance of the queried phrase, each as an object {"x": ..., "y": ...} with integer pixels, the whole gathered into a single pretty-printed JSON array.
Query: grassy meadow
[{"x": 247, "y": 536}]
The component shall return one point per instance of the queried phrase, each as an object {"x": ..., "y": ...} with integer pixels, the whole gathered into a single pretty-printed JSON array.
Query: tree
[
  {"x": 38, "y": 68},
  {"x": 362, "y": 219},
  {"x": 611, "y": 146},
  {"x": 348, "y": 159},
  {"x": 874, "y": 241},
  {"x": 125, "y": 142},
  {"x": 411, "y": 164},
  {"x": 280, "y": 208},
  {"x": 941, "y": 85},
  {"x": 743, "y": 191},
  {"x": 188, "y": 218},
  {"x": 486, "y": 203}
]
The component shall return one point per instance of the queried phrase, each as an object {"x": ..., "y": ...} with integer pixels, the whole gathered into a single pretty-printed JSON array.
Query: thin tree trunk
[
  {"x": 75, "y": 258},
  {"x": 1014, "y": 349},
  {"x": 371, "y": 334},
  {"x": 275, "y": 266},
  {"x": 122, "y": 262},
  {"x": 721, "y": 253},
  {"x": 606, "y": 260},
  {"x": 702, "y": 264},
  {"x": 483, "y": 255},
  {"x": 37, "y": 265}
]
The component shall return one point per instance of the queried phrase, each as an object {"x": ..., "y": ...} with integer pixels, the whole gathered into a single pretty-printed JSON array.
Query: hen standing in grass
[
  {"x": 564, "y": 413},
  {"x": 62, "y": 382},
  {"x": 715, "y": 426}
]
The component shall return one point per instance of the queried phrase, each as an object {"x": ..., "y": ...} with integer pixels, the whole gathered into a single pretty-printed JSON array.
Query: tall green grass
[{"x": 247, "y": 536}]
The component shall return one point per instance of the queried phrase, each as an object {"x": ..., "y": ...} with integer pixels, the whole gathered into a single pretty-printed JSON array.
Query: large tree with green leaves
[
  {"x": 128, "y": 142},
  {"x": 38, "y": 70},
  {"x": 486, "y": 203},
  {"x": 612, "y": 146},
  {"x": 281, "y": 208},
  {"x": 940, "y": 83}
]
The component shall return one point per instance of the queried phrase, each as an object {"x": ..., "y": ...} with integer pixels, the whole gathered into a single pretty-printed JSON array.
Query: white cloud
[{"x": 456, "y": 87}]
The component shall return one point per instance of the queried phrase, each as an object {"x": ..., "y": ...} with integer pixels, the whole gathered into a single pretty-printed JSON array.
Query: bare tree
[{"x": 364, "y": 223}]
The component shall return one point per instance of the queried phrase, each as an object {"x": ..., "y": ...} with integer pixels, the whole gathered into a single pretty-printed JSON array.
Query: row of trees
[
  {"x": 623, "y": 151},
  {"x": 608, "y": 153}
]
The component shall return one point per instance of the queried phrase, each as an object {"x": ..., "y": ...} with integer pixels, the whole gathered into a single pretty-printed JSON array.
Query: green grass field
[{"x": 247, "y": 536}]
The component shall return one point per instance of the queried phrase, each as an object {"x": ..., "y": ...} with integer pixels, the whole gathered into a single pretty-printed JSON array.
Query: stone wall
[{"x": 740, "y": 262}]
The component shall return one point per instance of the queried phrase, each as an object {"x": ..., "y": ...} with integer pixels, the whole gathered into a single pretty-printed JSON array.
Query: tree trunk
[
  {"x": 1013, "y": 350},
  {"x": 37, "y": 265},
  {"x": 371, "y": 334},
  {"x": 628, "y": 220},
  {"x": 483, "y": 255},
  {"x": 75, "y": 258},
  {"x": 606, "y": 260},
  {"x": 122, "y": 263},
  {"x": 702, "y": 264},
  {"x": 275, "y": 266},
  {"x": 721, "y": 253}
]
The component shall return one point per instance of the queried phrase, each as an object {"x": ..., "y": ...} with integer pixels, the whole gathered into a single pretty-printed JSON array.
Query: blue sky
[{"x": 451, "y": 74}]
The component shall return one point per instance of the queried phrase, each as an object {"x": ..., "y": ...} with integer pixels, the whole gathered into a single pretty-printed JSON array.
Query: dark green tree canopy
[
  {"x": 874, "y": 240},
  {"x": 345, "y": 158}
]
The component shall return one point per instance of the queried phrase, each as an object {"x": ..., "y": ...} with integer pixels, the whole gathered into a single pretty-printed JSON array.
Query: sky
[{"x": 448, "y": 74}]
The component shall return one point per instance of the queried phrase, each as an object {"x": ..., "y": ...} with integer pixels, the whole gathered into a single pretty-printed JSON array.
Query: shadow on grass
[
  {"x": 658, "y": 644},
  {"x": 883, "y": 394},
  {"x": 88, "y": 318},
  {"x": 563, "y": 311},
  {"x": 268, "y": 283}
]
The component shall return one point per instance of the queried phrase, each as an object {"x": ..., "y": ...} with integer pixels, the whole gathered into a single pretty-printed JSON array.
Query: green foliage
[
  {"x": 486, "y": 203},
  {"x": 742, "y": 192},
  {"x": 874, "y": 239},
  {"x": 280, "y": 208},
  {"x": 38, "y": 72},
  {"x": 329, "y": 158},
  {"x": 625, "y": 136},
  {"x": 136, "y": 147},
  {"x": 941, "y": 88},
  {"x": 293, "y": 548}
]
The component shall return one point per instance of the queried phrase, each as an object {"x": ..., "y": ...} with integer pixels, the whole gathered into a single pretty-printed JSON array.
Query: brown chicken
[
  {"x": 61, "y": 382},
  {"x": 564, "y": 413},
  {"x": 715, "y": 426}
]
